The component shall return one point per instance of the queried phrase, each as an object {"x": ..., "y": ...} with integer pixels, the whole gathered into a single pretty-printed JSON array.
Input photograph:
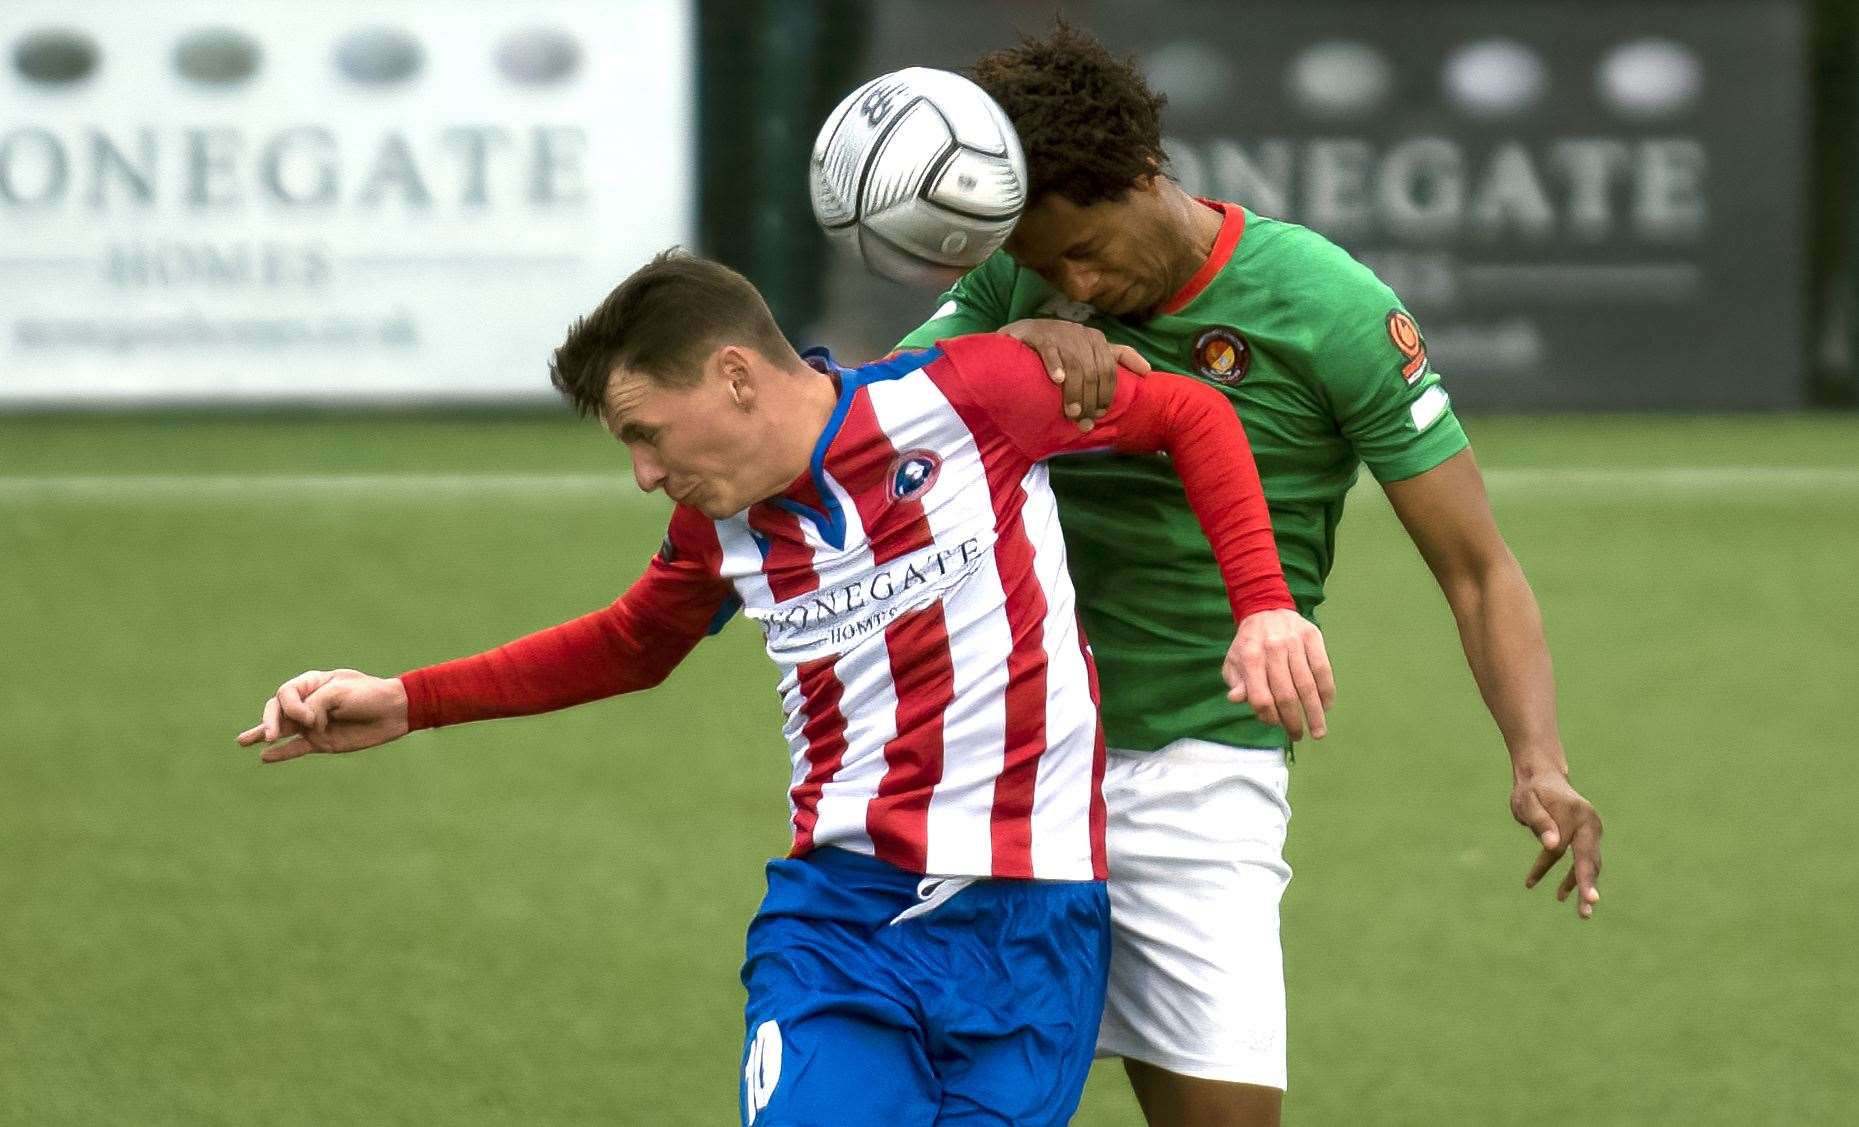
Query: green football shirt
[{"x": 1327, "y": 371}]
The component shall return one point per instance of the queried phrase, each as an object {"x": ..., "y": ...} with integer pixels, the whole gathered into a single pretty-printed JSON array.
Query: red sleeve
[
  {"x": 1158, "y": 413},
  {"x": 633, "y": 644}
]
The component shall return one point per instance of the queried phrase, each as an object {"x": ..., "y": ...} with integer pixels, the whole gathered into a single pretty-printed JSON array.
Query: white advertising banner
[{"x": 342, "y": 201}]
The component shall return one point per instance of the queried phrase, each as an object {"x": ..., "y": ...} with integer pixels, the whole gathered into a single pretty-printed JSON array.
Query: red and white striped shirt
[{"x": 940, "y": 701}]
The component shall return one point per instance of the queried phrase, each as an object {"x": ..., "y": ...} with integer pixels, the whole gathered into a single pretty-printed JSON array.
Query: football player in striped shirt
[
  {"x": 934, "y": 947},
  {"x": 1331, "y": 373}
]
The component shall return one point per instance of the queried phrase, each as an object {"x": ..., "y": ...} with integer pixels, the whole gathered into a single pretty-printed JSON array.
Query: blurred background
[{"x": 278, "y": 285}]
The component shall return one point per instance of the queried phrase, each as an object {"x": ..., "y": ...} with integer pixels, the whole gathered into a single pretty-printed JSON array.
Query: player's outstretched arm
[
  {"x": 1446, "y": 513},
  {"x": 630, "y": 645},
  {"x": 329, "y": 712}
]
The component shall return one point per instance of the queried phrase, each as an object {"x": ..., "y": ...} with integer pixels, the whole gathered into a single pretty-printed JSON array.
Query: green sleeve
[
  {"x": 1372, "y": 364},
  {"x": 977, "y": 303}
]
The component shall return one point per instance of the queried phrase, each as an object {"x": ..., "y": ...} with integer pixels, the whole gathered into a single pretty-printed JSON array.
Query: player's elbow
[{"x": 1481, "y": 575}]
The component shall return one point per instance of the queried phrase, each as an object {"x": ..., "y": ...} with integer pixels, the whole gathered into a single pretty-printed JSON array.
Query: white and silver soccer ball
[{"x": 920, "y": 173}]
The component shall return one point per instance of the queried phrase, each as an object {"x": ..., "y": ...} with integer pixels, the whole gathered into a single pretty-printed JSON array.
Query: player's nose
[
  {"x": 646, "y": 470},
  {"x": 1078, "y": 282}
]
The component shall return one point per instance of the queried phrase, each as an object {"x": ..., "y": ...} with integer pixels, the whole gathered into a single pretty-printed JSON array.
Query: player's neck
[
  {"x": 1199, "y": 224},
  {"x": 806, "y": 411},
  {"x": 1197, "y": 229},
  {"x": 1207, "y": 225}
]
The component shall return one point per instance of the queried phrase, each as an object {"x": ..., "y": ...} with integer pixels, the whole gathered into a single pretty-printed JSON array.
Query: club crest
[
  {"x": 1408, "y": 342},
  {"x": 912, "y": 474},
  {"x": 1222, "y": 355}
]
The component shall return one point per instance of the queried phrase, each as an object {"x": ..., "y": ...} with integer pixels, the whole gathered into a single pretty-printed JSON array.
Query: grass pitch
[{"x": 539, "y": 921}]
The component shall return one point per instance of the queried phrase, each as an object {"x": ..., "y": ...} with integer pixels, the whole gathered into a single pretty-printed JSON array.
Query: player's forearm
[
  {"x": 590, "y": 658},
  {"x": 1501, "y": 628},
  {"x": 1198, "y": 430}
]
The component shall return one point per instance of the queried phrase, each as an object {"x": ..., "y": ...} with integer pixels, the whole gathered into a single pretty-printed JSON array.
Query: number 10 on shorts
[{"x": 763, "y": 1071}]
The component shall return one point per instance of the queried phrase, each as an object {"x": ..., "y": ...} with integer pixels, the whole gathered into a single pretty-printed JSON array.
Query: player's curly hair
[{"x": 1089, "y": 123}]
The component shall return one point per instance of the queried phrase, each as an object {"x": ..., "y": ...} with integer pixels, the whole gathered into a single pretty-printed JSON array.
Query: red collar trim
[{"x": 1231, "y": 228}]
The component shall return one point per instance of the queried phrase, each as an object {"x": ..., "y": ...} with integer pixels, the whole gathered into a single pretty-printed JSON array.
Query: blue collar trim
[{"x": 831, "y": 524}]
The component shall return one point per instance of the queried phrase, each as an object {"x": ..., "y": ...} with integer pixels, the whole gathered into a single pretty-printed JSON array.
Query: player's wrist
[
  {"x": 418, "y": 703},
  {"x": 1538, "y": 761},
  {"x": 1249, "y": 607}
]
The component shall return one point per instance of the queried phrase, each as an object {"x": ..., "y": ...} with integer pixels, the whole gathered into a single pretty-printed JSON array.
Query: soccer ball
[{"x": 920, "y": 173}]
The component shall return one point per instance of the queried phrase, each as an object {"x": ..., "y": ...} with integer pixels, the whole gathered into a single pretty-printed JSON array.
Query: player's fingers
[
  {"x": 252, "y": 735},
  {"x": 1258, "y": 687},
  {"x": 1535, "y": 817},
  {"x": 290, "y": 703},
  {"x": 289, "y": 749},
  {"x": 1049, "y": 356},
  {"x": 1567, "y": 886},
  {"x": 1319, "y": 656},
  {"x": 1068, "y": 375},
  {"x": 1307, "y": 695},
  {"x": 271, "y": 719},
  {"x": 1284, "y": 693},
  {"x": 300, "y": 692},
  {"x": 1235, "y": 677},
  {"x": 323, "y": 704},
  {"x": 1104, "y": 377},
  {"x": 1132, "y": 359},
  {"x": 1586, "y": 871},
  {"x": 1081, "y": 377},
  {"x": 1543, "y": 863}
]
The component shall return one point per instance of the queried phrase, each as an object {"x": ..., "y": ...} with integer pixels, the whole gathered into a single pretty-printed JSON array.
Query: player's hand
[
  {"x": 1563, "y": 822},
  {"x": 329, "y": 712},
  {"x": 1278, "y": 665},
  {"x": 1080, "y": 358}
]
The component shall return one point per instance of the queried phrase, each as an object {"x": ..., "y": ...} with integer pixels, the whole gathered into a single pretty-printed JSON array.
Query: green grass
[{"x": 539, "y": 921}]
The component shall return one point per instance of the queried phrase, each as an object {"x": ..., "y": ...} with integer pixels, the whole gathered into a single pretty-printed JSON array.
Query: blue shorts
[{"x": 981, "y": 1005}]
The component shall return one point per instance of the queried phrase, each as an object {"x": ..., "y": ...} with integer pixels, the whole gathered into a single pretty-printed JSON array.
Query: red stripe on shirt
[
  {"x": 1012, "y": 819},
  {"x": 788, "y": 563},
  {"x": 923, "y": 674},
  {"x": 825, "y": 730},
  {"x": 895, "y": 527}
]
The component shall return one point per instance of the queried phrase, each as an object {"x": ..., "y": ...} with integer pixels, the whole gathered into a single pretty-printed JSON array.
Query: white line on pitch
[
  {"x": 311, "y": 487},
  {"x": 1629, "y": 480},
  {"x": 1625, "y": 481}
]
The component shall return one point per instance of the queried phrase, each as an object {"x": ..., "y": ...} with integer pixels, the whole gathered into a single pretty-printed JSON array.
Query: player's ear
[{"x": 738, "y": 374}]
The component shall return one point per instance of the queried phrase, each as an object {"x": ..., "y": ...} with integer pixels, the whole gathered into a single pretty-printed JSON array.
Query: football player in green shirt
[{"x": 1114, "y": 261}]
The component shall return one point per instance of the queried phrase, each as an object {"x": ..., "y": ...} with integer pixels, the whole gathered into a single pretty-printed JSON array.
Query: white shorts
[{"x": 1196, "y": 837}]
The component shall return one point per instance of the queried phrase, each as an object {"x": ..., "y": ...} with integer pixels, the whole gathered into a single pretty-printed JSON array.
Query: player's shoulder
[
  {"x": 976, "y": 351},
  {"x": 1294, "y": 260},
  {"x": 997, "y": 267},
  {"x": 985, "y": 366}
]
